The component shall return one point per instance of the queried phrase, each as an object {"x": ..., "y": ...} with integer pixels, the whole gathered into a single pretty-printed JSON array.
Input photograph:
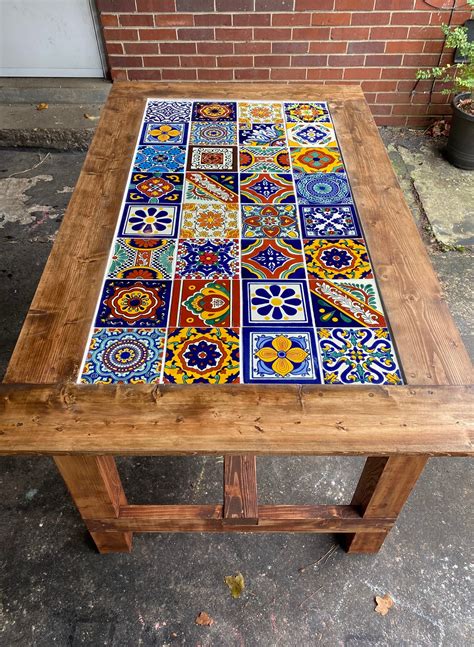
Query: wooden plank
[
  {"x": 209, "y": 518},
  {"x": 240, "y": 489},
  {"x": 95, "y": 487},
  {"x": 262, "y": 419},
  {"x": 384, "y": 487},
  {"x": 428, "y": 342}
]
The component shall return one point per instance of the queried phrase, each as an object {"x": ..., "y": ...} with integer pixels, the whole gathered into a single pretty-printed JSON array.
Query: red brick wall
[{"x": 378, "y": 43}]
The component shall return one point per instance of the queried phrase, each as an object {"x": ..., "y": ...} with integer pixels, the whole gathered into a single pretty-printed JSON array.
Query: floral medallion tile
[
  {"x": 315, "y": 134},
  {"x": 206, "y": 303},
  {"x": 346, "y": 304},
  {"x": 168, "y": 111},
  {"x": 307, "y": 112},
  {"x": 280, "y": 355},
  {"x": 214, "y": 111},
  {"x": 358, "y": 356},
  {"x": 208, "y": 355},
  {"x": 155, "y": 189},
  {"x": 211, "y": 187},
  {"x": 167, "y": 133},
  {"x": 329, "y": 222},
  {"x": 210, "y": 220},
  {"x": 270, "y": 159},
  {"x": 124, "y": 355},
  {"x": 269, "y": 221},
  {"x": 323, "y": 188},
  {"x": 207, "y": 259},
  {"x": 316, "y": 160},
  {"x": 141, "y": 304},
  {"x": 147, "y": 221},
  {"x": 160, "y": 159},
  {"x": 260, "y": 113},
  {"x": 267, "y": 303},
  {"x": 212, "y": 158},
  {"x": 343, "y": 258},
  {"x": 266, "y": 188},
  {"x": 219, "y": 133},
  {"x": 142, "y": 259},
  {"x": 278, "y": 258},
  {"x": 262, "y": 135}
]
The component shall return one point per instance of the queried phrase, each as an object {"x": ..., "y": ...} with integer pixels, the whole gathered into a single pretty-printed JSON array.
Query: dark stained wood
[
  {"x": 263, "y": 419},
  {"x": 240, "y": 489},
  {"x": 95, "y": 487},
  {"x": 384, "y": 487},
  {"x": 209, "y": 518}
]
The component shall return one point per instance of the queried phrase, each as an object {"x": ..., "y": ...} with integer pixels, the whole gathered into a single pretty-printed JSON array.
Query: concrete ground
[{"x": 300, "y": 589}]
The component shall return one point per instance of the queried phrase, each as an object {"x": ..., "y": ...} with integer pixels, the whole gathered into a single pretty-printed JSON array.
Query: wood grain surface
[{"x": 263, "y": 419}]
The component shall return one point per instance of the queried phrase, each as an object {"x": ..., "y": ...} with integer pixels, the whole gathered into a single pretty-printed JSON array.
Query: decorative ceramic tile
[
  {"x": 214, "y": 111},
  {"x": 147, "y": 221},
  {"x": 307, "y": 112},
  {"x": 168, "y": 111},
  {"x": 266, "y": 188},
  {"x": 124, "y": 355},
  {"x": 208, "y": 187},
  {"x": 212, "y": 158},
  {"x": 266, "y": 303},
  {"x": 239, "y": 233},
  {"x": 315, "y": 134},
  {"x": 209, "y": 355},
  {"x": 343, "y": 258},
  {"x": 141, "y": 304},
  {"x": 329, "y": 222},
  {"x": 155, "y": 189},
  {"x": 316, "y": 160},
  {"x": 210, "y": 220},
  {"x": 207, "y": 259},
  {"x": 142, "y": 259},
  {"x": 358, "y": 356},
  {"x": 260, "y": 113},
  {"x": 160, "y": 159},
  {"x": 271, "y": 159},
  {"x": 269, "y": 221},
  {"x": 219, "y": 133},
  {"x": 168, "y": 133},
  {"x": 205, "y": 303},
  {"x": 262, "y": 135},
  {"x": 323, "y": 188},
  {"x": 345, "y": 304},
  {"x": 277, "y": 258},
  {"x": 280, "y": 355}
]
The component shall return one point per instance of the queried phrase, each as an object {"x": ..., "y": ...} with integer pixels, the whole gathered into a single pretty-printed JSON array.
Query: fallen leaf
[
  {"x": 236, "y": 584},
  {"x": 91, "y": 117},
  {"x": 42, "y": 106},
  {"x": 204, "y": 619},
  {"x": 383, "y": 604}
]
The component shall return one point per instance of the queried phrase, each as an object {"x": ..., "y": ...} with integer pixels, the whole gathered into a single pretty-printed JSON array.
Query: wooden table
[{"x": 83, "y": 426}]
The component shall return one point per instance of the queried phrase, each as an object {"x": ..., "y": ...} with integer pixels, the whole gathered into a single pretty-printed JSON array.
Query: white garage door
[{"x": 49, "y": 38}]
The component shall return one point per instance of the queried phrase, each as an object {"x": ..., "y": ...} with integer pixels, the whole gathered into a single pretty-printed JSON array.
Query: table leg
[
  {"x": 94, "y": 484},
  {"x": 384, "y": 486}
]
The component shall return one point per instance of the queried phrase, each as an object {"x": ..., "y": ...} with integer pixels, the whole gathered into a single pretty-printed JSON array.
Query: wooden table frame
[{"x": 43, "y": 411}]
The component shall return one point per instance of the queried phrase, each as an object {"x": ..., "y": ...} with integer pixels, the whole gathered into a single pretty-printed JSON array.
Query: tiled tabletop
[{"x": 239, "y": 255}]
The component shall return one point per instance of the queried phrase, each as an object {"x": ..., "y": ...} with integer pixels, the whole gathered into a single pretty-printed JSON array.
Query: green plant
[{"x": 459, "y": 76}]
